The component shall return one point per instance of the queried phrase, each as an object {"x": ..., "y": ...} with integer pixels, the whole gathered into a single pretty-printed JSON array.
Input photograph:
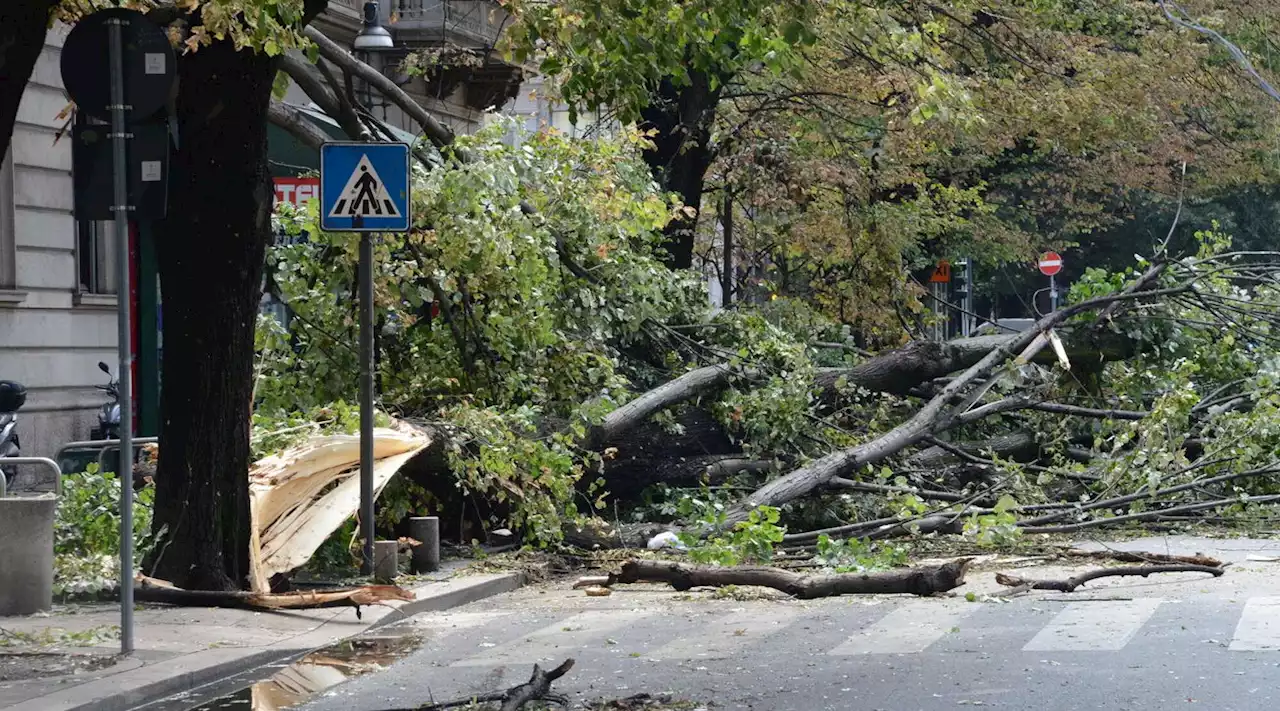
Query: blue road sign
[{"x": 364, "y": 187}]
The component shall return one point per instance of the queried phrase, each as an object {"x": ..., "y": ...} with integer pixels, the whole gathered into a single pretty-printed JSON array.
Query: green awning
[{"x": 290, "y": 158}]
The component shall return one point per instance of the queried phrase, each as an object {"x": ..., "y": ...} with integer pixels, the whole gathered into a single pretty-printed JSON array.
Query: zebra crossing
[{"x": 851, "y": 629}]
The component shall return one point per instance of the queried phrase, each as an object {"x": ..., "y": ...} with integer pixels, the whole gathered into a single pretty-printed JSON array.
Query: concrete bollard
[
  {"x": 26, "y": 554},
  {"x": 426, "y": 557},
  {"x": 386, "y": 561}
]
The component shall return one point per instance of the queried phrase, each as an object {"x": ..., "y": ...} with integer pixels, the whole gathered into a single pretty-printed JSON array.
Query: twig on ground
[{"x": 538, "y": 688}]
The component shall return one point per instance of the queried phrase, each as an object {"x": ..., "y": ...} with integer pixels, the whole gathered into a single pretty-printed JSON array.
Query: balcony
[{"x": 468, "y": 23}]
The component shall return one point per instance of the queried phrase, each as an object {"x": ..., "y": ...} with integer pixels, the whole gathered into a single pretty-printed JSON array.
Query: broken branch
[{"x": 1070, "y": 584}]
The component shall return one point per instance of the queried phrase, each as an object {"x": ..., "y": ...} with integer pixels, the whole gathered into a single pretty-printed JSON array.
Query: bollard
[
  {"x": 26, "y": 554},
  {"x": 426, "y": 557},
  {"x": 386, "y": 561}
]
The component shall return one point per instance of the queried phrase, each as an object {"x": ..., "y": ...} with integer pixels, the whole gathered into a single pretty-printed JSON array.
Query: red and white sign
[
  {"x": 297, "y": 191},
  {"x": 1050, "y": 263}
]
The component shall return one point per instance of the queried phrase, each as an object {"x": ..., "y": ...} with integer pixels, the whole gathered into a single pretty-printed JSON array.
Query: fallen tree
[
  {"x": 965, "y": 425},
  {"x": 682, "y": 576}
]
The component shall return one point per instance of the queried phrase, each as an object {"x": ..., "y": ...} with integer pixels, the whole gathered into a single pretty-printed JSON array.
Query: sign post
[
  {"x": 126, "y": 91},
  {"x": 364, "y": 187},
  {"x": 1050, "y": 264}
]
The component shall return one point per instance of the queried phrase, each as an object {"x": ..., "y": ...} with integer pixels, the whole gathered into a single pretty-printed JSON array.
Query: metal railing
[
  {"x": 481, "y": 18},
  {"x": 105, "y": 446},
  {"x": 43, "y": 461}
]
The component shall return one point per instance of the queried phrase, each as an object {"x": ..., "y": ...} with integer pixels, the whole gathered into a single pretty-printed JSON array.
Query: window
[
  {"x": 8, "y": 247},
  {"x": 96, "y": 257}
]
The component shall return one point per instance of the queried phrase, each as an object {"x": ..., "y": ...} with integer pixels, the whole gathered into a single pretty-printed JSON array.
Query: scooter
[
  {"x": 12, "y": 397},
  {"x": 109, "y": 414}
]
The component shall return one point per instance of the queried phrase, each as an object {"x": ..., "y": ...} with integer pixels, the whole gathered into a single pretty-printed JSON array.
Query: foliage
[
  {"x": 484, "y": 327},
  {"x": 269, "y": 26},
  {"x": 750, "y": 541},
  {"x": 613, "y": 54},
  {"x": 87, "y": 531},
  {"x": 853, "y": 555}
]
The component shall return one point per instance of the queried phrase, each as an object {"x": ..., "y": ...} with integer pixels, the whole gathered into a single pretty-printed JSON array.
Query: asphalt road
[{"x": 1181, "y": 641}]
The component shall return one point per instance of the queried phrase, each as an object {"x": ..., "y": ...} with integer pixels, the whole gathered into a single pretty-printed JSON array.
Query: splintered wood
[{"x": 299, "y": 497}]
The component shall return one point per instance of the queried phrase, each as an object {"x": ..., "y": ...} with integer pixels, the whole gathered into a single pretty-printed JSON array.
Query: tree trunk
[
  {"x": 23, "y": 24},
  {"x": 914, "y": 581},
  {"x": 211, "y": 253},
  {"x": 682, "y": 117},
  {"x": 901, "y": 370}
]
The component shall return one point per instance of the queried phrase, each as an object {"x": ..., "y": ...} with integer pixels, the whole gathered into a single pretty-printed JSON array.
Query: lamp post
[{"x": 373, "y": 38}]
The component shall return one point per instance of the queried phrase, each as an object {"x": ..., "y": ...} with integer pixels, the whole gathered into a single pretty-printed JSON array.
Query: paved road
[{"x": 1189, "y": 642}]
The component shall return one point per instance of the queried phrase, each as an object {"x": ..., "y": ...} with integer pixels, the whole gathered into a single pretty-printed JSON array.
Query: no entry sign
[{"x": 1050, "y": 263}]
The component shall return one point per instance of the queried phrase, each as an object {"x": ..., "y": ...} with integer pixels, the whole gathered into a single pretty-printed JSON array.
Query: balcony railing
[{"x": 481, "y": 20}]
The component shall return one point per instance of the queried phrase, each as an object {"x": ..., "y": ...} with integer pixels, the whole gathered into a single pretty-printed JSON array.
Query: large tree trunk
[
  {"x": 23, "y": 24},
  {"x": 901, "y": 370},
  {"x": 211, "y": 250},
  {"x": 682, "y": 116}
]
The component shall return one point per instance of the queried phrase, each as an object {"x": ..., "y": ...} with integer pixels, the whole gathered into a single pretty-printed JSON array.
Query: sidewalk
[{"x": 179, "y": 649}]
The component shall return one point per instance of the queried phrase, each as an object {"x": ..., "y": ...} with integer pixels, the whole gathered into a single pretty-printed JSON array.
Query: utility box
[{"x": 26, "y": 554}]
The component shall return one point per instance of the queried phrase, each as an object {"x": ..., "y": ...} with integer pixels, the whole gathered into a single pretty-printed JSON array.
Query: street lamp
[
  {"x": 373, "y": 36},
  {"x": 373, "y": 39}
]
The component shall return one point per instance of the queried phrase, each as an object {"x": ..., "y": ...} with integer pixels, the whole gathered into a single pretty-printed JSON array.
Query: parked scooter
[
  {"x": 12, "y": 397},
  {"x": 109, "y": 414}
]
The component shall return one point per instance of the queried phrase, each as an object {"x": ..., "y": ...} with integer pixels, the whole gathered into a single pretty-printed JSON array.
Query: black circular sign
[{"x": 149, "y": 67}]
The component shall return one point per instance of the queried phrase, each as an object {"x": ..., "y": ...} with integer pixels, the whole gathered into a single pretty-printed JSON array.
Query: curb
[{"x": 451, "y": 594}]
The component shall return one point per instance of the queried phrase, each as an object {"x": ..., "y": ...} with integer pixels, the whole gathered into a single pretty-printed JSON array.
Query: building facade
[{"x": 57, "y": 277}]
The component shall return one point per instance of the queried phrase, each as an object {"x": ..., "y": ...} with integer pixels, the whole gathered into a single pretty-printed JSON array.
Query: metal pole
[
  {"x": 120, "y": 170},
  {"x": 366, "y": 400},
  {"x": 1053, "y": 293}
]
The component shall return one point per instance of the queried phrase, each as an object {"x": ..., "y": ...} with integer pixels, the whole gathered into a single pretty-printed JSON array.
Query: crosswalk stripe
[
  {"x": 725, "y": 636},
  {"x": 1100, "y": 625},
  {"x": 910, "y": 628},
  {"x": 556, "y": 639},
  {"x": 1259, "y": 626}
]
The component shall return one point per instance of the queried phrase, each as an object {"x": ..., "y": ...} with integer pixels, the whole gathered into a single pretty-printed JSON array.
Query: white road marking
[
  {"x": 910, "y": 628},
  {"x": 725, "y": 636},
  {"x": 559, "y": 639},
  {"x": 1259, "y": 626},
  {"x": 1103, "y": 625}
]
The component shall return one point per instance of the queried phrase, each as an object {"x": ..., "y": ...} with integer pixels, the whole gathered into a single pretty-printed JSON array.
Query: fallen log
[
  {"x": 538, "y": 688},
  {"x": 1074, "y": 582},
  {"x": 682, "y": 576},
  {"x": 161, "y": 591}
]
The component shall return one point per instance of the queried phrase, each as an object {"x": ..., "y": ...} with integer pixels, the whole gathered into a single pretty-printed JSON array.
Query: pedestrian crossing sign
[{"x": 364, "y": 187}]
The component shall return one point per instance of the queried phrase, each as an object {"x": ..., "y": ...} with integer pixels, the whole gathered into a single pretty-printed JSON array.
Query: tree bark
[
  {"x": 686, "y": 387},
  {"x": 682, "y": 117},
  {"x": 914, "y": 581},
  {"x": 901, "y": 370},
  {"x": 211, "y": 264},
  {"x": 23, "y": 25}
]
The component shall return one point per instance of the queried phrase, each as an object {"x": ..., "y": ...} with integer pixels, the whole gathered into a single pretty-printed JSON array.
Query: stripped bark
[
  {"x": 913, "y": 581},
  {"x": 1074, "y": 582}
]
